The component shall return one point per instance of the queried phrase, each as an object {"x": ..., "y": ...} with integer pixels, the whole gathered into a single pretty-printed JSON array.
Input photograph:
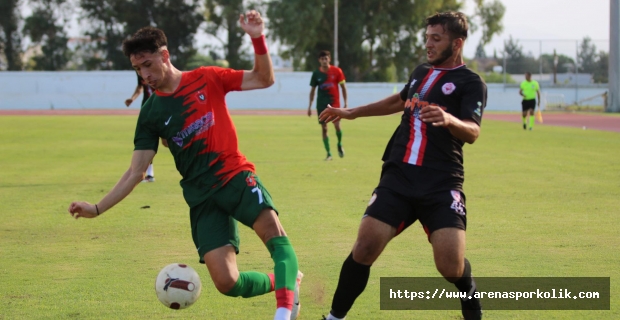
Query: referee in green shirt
[{"x": 530, "y": 90}]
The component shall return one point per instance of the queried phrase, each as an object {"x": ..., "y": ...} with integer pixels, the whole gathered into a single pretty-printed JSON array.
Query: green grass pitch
[{"x": 541, "y": 203}]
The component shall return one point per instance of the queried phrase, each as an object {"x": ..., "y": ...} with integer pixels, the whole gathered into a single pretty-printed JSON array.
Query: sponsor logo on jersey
[
  {"x": 457, "y": 204},
  {"x": 199, "y": 126},
  {"x": 415, "y": 104},
  {"x": 326, "y": 85},
  {"x": 448, "y": 88}
]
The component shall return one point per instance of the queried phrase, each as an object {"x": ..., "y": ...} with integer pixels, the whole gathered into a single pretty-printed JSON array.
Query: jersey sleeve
[
  {"x": 474, "y": 100},
  {"x": 230, "y": 79},
  {"x": 341, "y": 78},
  {"x": 313, "y": 81},
  {"x": 146, "y": 137}
]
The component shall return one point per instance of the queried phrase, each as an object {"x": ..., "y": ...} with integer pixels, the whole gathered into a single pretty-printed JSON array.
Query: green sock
[
  {"x": 339, "y": 135},
  {"x": 531, "y": 121},
  {"x": 326, "y": 144},
  {"x": 285, "y": 268},
  {"x": 250, "y": 284},
  {"x": 524, "y": 122}
]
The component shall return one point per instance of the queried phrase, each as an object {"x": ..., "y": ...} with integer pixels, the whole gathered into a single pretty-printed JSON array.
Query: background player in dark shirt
[
  {"x": 219, "y": 184},
  {"x": 143, "y": 87},
  {"x": 422, "y": 175}
]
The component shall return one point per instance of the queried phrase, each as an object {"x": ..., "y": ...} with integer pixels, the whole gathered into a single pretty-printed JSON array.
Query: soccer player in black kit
[{"x": 422, "y": 176}]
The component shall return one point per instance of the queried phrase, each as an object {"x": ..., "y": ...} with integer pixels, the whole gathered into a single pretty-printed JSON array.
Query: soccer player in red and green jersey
[
  {"x": 219, "y": 184},
  {"x": 327, "y": 78}
]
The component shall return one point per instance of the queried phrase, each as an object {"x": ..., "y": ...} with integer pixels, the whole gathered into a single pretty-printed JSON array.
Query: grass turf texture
[{"x": 541, "y": 203}]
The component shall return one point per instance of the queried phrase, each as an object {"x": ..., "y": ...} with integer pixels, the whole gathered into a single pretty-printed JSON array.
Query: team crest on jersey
[
  {"x": 448, "y": 88},
  {"x": 201, "y": 97},
  {"x": 457, "y": 204},
  {"x": 251, "y": 181}
]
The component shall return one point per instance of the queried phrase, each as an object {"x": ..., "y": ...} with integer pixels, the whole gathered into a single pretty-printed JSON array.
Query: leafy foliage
[
  {"x": 10, "y": 37},
  {"x": 114, "y": 20},
  {"x": 45, "y": 27}
]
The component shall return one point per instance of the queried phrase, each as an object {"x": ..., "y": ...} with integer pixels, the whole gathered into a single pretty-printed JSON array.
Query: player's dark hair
[
  {"x": 324, "y": 53},
  {"x": 528, "y": 73},
  {"x": 147, "y": 39},
  {"x": 454, "y": 22}
]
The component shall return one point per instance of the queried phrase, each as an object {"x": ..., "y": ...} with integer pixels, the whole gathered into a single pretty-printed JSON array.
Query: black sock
[
  {"x": 466, "y": 282},
  {"x": 352, "y": 282}
]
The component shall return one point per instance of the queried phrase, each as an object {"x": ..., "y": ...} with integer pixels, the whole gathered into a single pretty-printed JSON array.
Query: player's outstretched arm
[
  {"x": 311, "y": 99},
  {"x": 139, "y": 163},
  {"x": 389, "y": 105},
  {"x": 261, "y": 76},
  {"x": 135, "y": 95}
]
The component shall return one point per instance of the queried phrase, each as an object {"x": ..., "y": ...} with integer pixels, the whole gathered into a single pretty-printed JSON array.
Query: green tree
[
  {"x": 587, "y": 56},
  {"x": 107, "y": 34},
  {"x": 563, "y": 60},
  {"x": 380, "y": 34},
  {"x": 480, "y": 51},
  {"x": 114, "y": 20},
  {"x": 10, "y": 37},
  {"x": 490, "y": 16},
  {"x": 223, "y": 16},
  {"x": 45, "y": 27},
  {"x": 180, "y": 20},
  {"x": 601, "y": 70}
]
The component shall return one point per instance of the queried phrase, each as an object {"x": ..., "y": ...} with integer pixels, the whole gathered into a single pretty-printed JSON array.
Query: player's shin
[
  {"x": 285, "y": 270},
  {"x": 466, "y": 283},
  {"x": 353, "y": 279}
]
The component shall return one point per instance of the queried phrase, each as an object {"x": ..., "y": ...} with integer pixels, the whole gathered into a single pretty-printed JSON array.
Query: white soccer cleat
[{"x": 296, "y": 304}]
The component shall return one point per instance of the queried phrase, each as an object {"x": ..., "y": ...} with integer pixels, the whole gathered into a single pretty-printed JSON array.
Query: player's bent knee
[
  {"x": 224, "y": 284},
  {"x": 366, "y": 252},
  {"x": 451, "y": 271}
]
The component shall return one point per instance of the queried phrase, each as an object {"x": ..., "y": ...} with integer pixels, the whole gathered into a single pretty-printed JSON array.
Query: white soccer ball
[{"x": 178, "y": 286}]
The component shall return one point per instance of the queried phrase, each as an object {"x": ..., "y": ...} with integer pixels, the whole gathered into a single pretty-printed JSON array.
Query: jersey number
[{"x": 260, "y": 194}]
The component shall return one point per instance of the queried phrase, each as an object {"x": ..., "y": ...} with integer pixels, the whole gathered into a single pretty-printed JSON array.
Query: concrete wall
[{"x": 109, "y": 89}]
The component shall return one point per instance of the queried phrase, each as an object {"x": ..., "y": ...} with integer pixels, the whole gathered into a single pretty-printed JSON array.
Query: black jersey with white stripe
[{"x": 458, "y": 91}]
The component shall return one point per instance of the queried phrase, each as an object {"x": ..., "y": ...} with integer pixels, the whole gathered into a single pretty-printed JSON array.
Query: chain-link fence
[{"x": 571, "y": 73}]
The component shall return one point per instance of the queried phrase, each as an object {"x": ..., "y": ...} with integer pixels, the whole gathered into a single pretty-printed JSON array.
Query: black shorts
[
  {"x": 431, "y": 196},
  {"x": 528, "y": 104},
  {"x": 320, "y": 109}
]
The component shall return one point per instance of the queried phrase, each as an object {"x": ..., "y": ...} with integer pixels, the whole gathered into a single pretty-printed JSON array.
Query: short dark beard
[{"x": 443, "y": 56}]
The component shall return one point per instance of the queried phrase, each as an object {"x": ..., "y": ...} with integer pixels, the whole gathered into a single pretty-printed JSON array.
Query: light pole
[{"x": 336, "y": 33}]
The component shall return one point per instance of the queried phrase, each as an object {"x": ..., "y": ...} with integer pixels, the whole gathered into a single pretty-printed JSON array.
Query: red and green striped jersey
[
  {"x": 200, "y": 133},
  {"x": 328, "y": 86}
]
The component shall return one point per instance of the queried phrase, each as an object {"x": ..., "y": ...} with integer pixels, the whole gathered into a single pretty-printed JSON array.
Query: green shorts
[{"x": 214, "y": 221}]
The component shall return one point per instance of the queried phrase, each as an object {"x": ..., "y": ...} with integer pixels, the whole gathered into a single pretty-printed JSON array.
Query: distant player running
[
  {"x": 529, "y": 91},
  {"x": 327, "y": 78},
  {"x": 143, "y": 87},
  {"x": 219, "y": 184}
]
